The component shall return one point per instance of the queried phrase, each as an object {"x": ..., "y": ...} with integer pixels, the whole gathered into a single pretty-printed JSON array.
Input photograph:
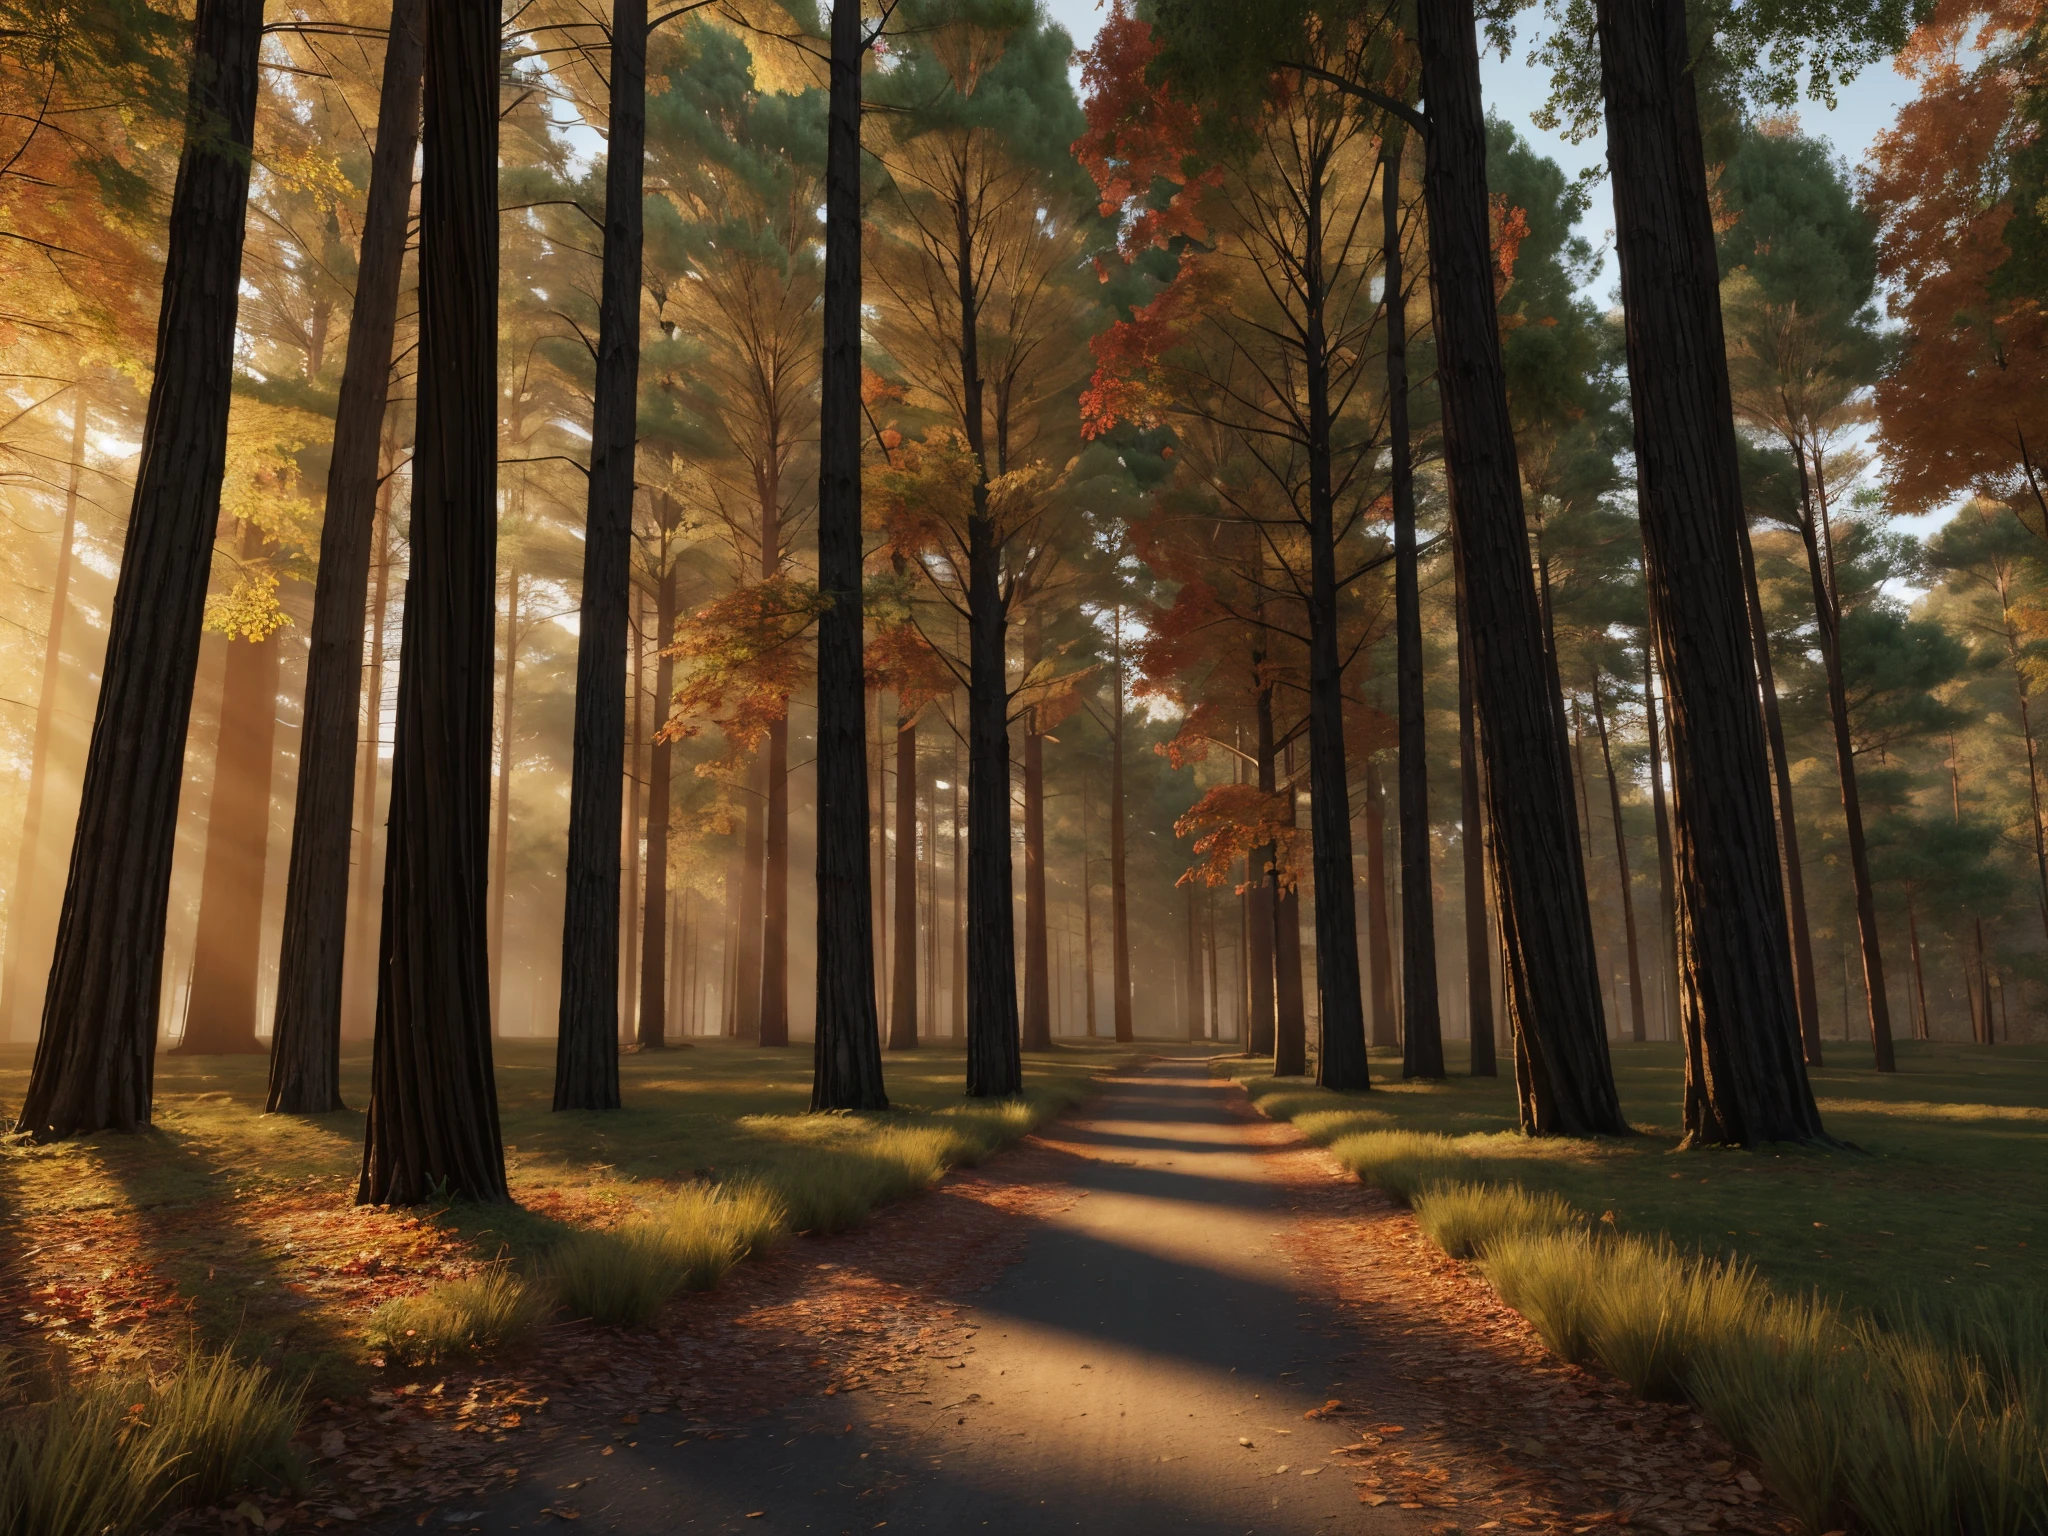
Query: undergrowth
[
  {"x": 1926, "y": 1419},
  {"x": 109, "y": 1456}
]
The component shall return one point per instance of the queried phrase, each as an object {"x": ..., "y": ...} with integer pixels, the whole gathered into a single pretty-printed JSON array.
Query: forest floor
[
  {"x": 1162, "y": 1252},
  {"x": 1943, "y": 1185}
]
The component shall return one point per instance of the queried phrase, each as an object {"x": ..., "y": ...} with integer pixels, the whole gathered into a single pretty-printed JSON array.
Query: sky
[{"x": 1514, "y": 89}]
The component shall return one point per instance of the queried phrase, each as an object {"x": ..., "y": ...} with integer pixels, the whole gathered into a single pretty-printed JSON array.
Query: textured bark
[
  {"x": 958, "y": 1000},
  {"x": 1119, "y": 910},
  {"x": 501, "y": 834},
  {"x": 1262, "y": 896},
  {"x": 1342, "y": 1062},
  {"x": 359, "y": 997},
  {"x": 25, "y": 910},
  {"x": 1565, "y": 1080},
  {"x": 1290, "y": 1024},
  {"x": 1638, "y": 1025},
  {"x": 1828, "y": 625},
  {"x": 1197, "y": 991},
  {"x": 96, "y": 1056},
  {"x": 629, "y": 831},
  {"x": 1471, "y": 834},
  {"x": 1037, "y": 1024},
  {"x": 587, "y": 1021},
  {"x": 432, "y": 1131},
  {"x": 771, "y": 990},
  {"x": 654, "y": 907},
  {"x": 1745, "y": 1077},
  {"x": 746, "y": 1005},
  {"x": 903, "y": 981},
  {"x": 848, "y": 1047},
  {"x": 220, "y": 1017},
  {"x": 1788, "y": 823},
  {"x": 1422, "y": 1032},
  {"x": 305, "y": 1046},
  {"x": 1386, "y": 1029},
  {"x": 1667, "y": 878}
]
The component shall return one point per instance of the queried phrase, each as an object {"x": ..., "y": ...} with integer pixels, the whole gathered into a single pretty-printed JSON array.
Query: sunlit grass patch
[
  {"x": 1462, "y": 1218},
  {"x": 108, "y": 1457},
  {"x": 621, "y": 1276},
  {"x": 478, "y": 1314}
]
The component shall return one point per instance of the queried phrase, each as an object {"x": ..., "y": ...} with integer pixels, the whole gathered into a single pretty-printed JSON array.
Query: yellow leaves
[
  {"x": 789, "y": 54},
  {"x": 248, "y": 610},
  {"x": 261, "y": 486},
  {"x": 311, "y": 171}
]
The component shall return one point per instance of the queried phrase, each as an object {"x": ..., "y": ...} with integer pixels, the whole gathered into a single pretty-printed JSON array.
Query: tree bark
[
  {"x": 501, "y": 836},
  {"x": 1290, "y": 1026},
  {"x": 1788, "y": 823},
  {"x": 220, "y": 1019},
  {"x": 1262, "y": 898},
  {"x": 1921, "y": 1031},
  {"x": 1565, "y": 1082},
  {"x": 305, "y": 1045},
  {"x": 587, "y": 1020},
  {"x": 1667, "y": 880},
  {"x": 1745, "y": 1075},
  {"x": 432, "y": 1131},
  {"x": 958, "y": 1000},
  {"x": 1422, "y": 1032},
  {"x": 1638, "y": 1025},
  {"x": 1037, "y": 1025},
  {"x": 1342, "y": 1061},
  {"x": 654, "y": 908},
  {"x": 903, "y": 983},
  {"x": 1386, "y": 1029},
  {"x": 1119, "y": 909},
  {"x": 96, "y": 1056},
  {"x": 771, "y": 993},
  {"x": 848, "y": 1047},
  {"x": 630, "y": 832},
  {"x": 1472, "y": 836},
  {"x": 1197, "y": 989},
  {"x": 22, "y": 908}
]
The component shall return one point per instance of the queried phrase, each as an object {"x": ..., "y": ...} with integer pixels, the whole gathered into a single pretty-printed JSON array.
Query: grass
[
  {"x": 236, "y": 1228},
  {"x": 1884, "y": 1382},
  {"x": 111, "y": 1455}
]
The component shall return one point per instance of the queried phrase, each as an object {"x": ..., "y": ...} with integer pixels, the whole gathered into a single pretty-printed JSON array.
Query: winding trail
[{"x": 1201, "y": 1329}]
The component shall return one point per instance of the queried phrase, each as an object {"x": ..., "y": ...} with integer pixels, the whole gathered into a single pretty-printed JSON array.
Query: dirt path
[{"x": 1163, "y": 1315}]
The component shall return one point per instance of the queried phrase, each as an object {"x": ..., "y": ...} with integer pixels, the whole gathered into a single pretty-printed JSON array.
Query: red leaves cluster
[
  {"x": 1954, "y": 413},
  {"x": 1128, "y": 383},
  {"x": 1230, "y": 824},
  {"x": 1138, "y": 135},
  {"x": 743, "y": 655}
]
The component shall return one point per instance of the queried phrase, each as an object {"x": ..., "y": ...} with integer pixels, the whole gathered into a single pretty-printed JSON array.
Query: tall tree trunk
[
  {"x": 22, "y": 907},
  {"x": 1119, "y": 909},
  {"x": 96, "y": 1057},
  {"x": 1422, "y": 1033},
  {"x": 654, "y": 908},
  {"x": 432, "y": 1129},
  {"x": 1472, "y": 836},
  {"x": 1386, "y": 1029},
  {"x": 1828, "y": 625},
  {"x": 903, "y": 984},
  {"x": 1921, "y": 1029},
  {"x": 629, "y": 839},
  {"x": 958, "y": 1000},
  {"x": 2037, "y": 824},
  {"x": 1341, "y": 1063},
  {"x": 1667, "y": 879},
  {"x": 1037, "y": 975},
  {"x": 1564, "y": 1080},
  {"x": 771, "y": 993},
  {"x": 1788, "y": 823},
  {"x": 1263, "y": 896},
  {"x": 501, "y": 836},
  {"x": 220, "y": 1017},
  {"x": 1745, "y": 1071},
  {"x": 359, "y": 997},
  {"x": 1290, "y": 1026},
  {"x": 1197, "y": 992},
  {"x": 848, "y": 1047},
  {"x": 1638, "y": 1025},
  {"x": 587, "y": 1019},
  {"x": 305, "y": 1045}
]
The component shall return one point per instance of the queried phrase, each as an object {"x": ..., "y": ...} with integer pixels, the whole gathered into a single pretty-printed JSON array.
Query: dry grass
[{"x": 475, "y": 1315}]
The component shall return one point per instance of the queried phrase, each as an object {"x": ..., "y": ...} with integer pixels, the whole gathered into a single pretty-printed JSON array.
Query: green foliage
[
  {"x": 111, "y": 1456},
  {"x": 477, "y": 1315},
  {"x": 621, "y": 1276}
]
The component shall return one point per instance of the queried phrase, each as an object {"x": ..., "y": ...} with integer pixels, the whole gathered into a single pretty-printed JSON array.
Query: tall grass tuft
[
  {"x": 108, "y": 1457},
  {"x": 622, "y": 1276},
  {"x": 475, "y": 1315},
  {"x": 1462, "y": 1218},
  {"x": 1403, "y": 1163}
]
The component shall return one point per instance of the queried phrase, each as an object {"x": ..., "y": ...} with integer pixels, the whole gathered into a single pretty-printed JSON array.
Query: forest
[{"x": 558, "y": 554}]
